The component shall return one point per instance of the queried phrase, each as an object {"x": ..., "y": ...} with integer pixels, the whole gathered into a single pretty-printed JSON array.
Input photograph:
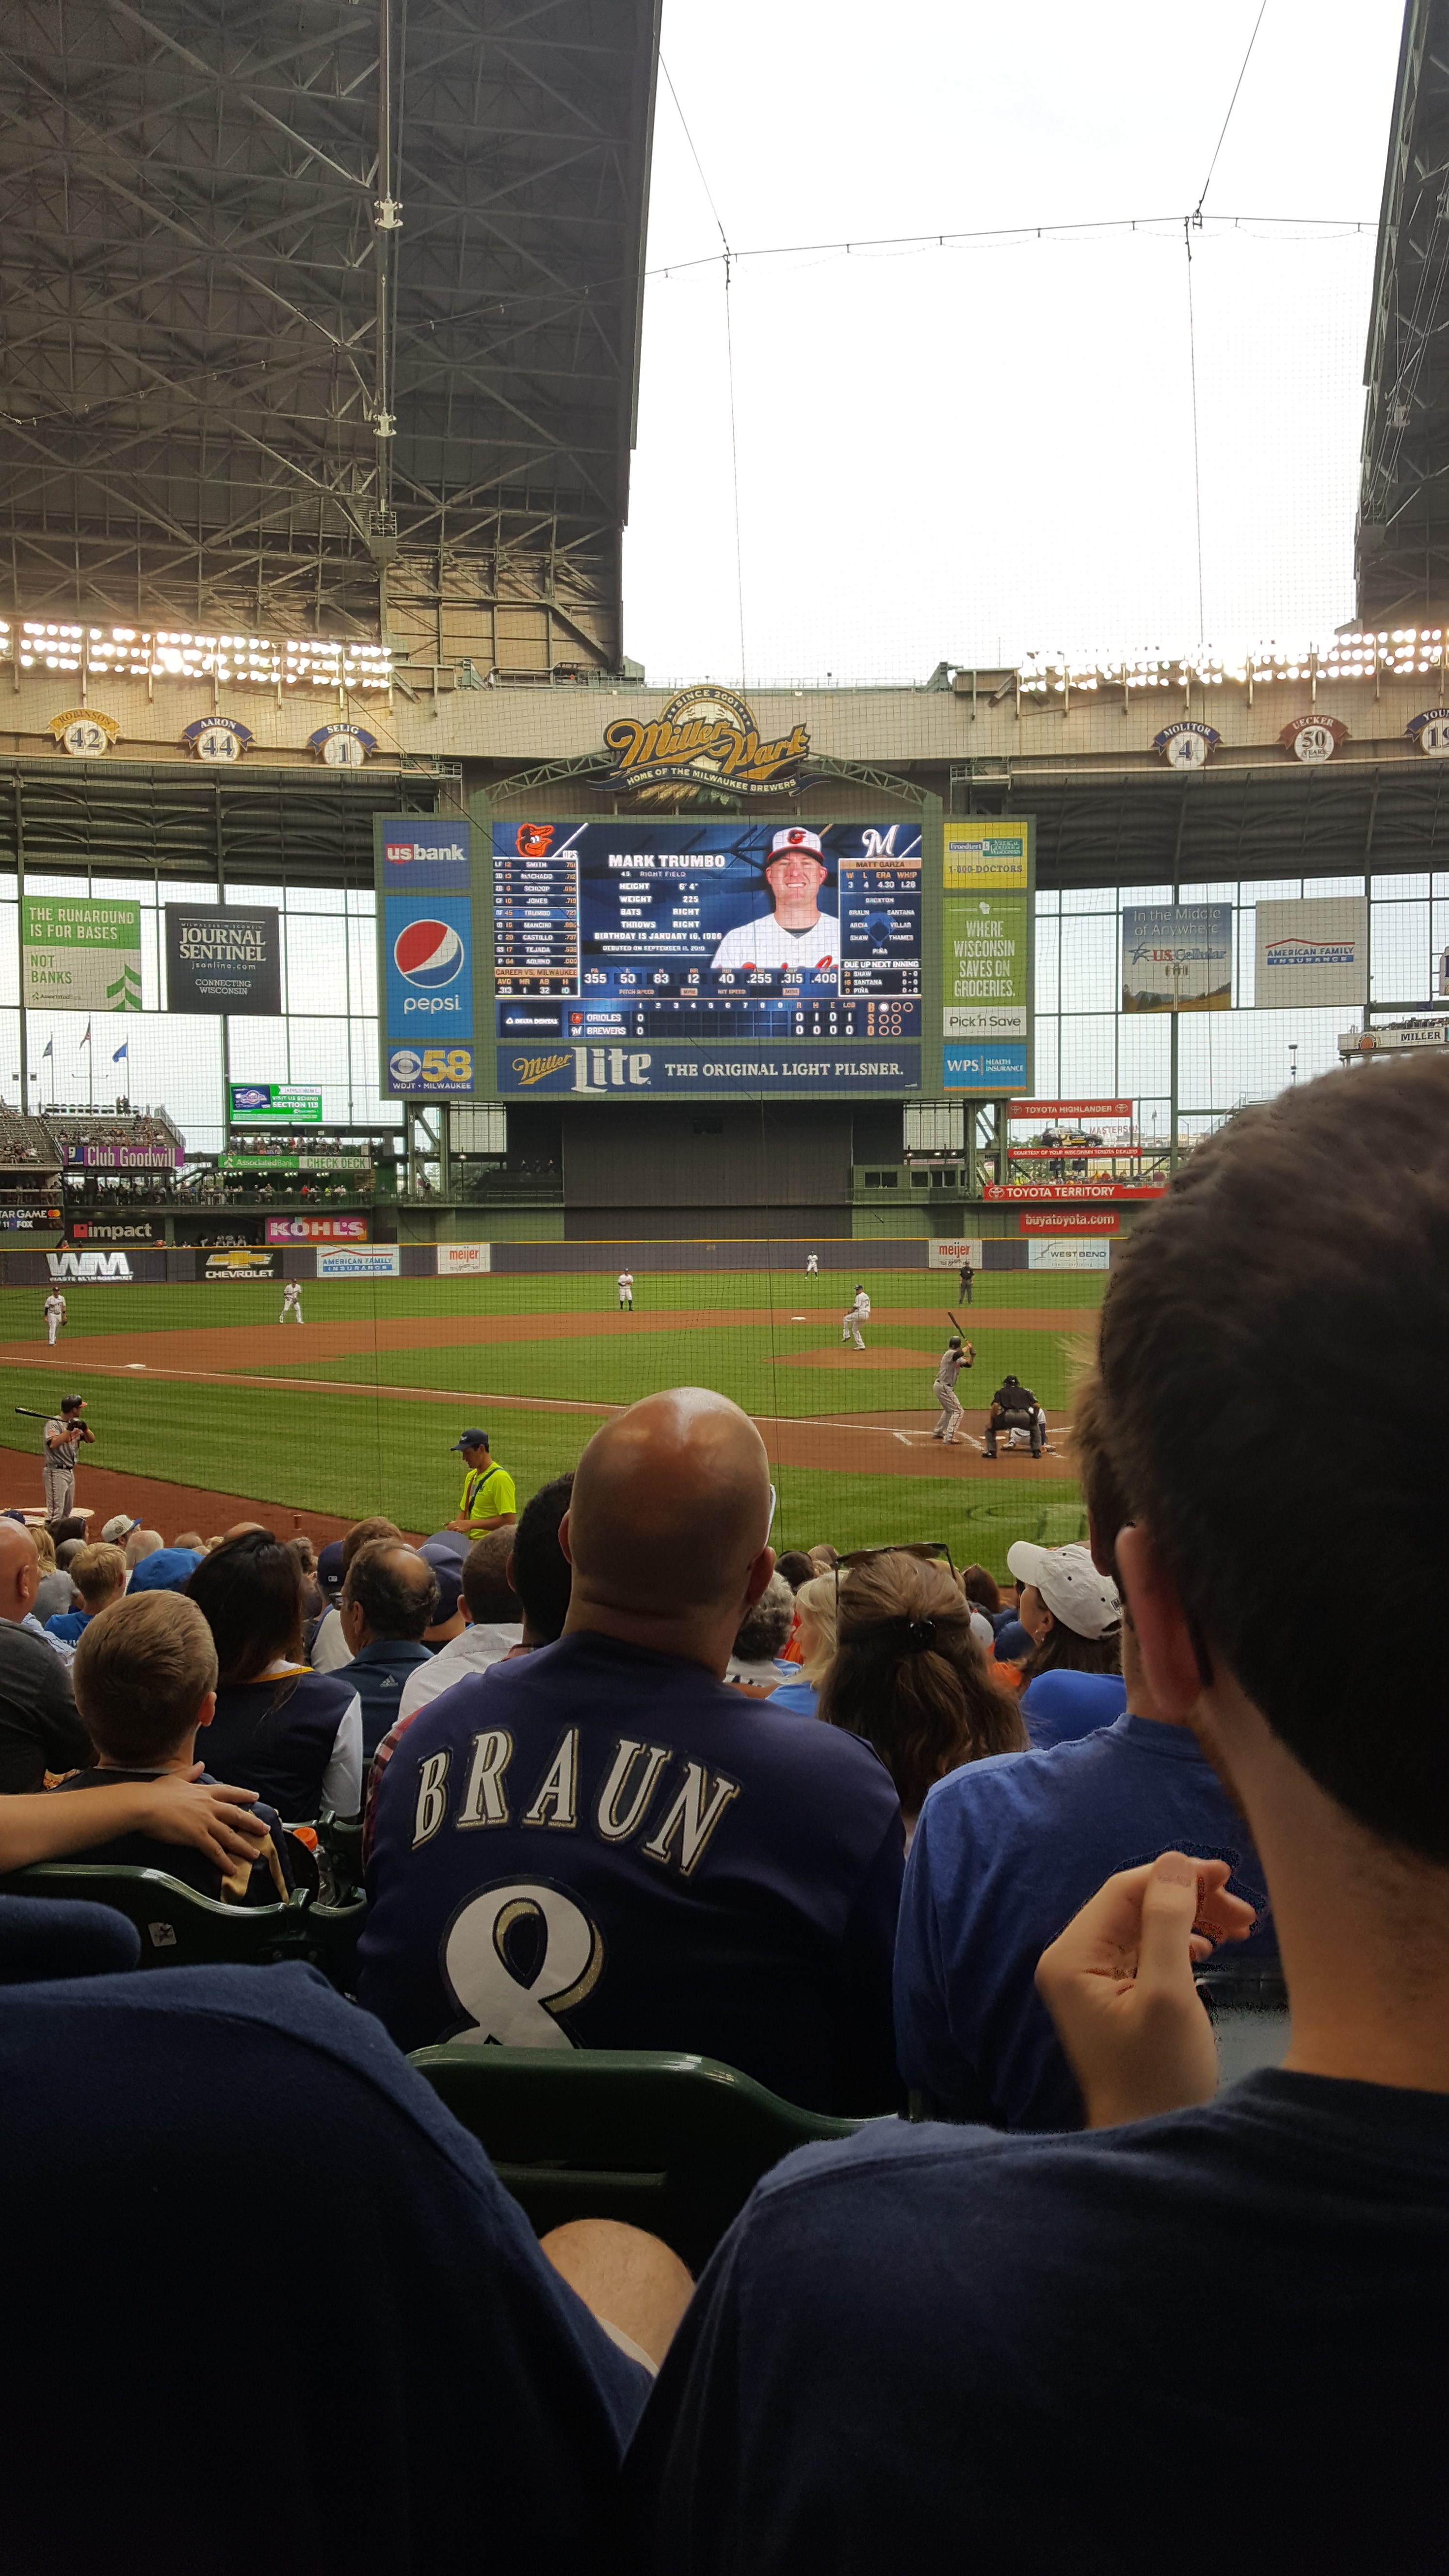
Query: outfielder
[
  {"x": 812, "y": 1265},
  {"x": 626, "y": 1291},
  {"x": 54, "y": 1315},
  {"x": 63, "y": 1435},
  {"x": 291, "y": 1301},
  {"x": 853, "y": 1317},
  {"x": 956, "y": 1356}
]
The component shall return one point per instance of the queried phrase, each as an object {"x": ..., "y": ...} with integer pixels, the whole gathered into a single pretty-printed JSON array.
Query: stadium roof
[
  {"x": 1402, "y": 545},
  {"x": 319, "y": 316}
]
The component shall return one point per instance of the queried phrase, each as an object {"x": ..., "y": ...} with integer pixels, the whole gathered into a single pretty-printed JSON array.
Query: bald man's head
[
  {"x": 19, "y": 1570},
  {"x": 670, "y": 1506}
]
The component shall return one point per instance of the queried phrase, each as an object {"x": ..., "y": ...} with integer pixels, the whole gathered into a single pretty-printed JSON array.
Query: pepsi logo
[{"x": 429, "y": 954}]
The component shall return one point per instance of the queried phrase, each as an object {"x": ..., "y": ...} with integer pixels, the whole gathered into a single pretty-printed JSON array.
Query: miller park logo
[{"x": 704, "y": 748}]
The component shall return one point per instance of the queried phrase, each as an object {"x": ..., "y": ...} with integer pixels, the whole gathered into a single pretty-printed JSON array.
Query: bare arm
[
  {"x": 1118, "y": 1984},
  {"x": 50, "y": 1826}
]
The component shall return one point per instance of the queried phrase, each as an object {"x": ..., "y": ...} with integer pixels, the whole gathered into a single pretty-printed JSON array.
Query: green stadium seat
[
  {"x": 329, "y": 1938},
  {"x": 178, "y": 1927},
  {"x": 341, "y": 1840},
  {"x": 673, "y": 2144}
]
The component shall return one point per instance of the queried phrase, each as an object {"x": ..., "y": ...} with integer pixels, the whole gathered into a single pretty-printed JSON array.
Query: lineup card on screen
[{"x": 720, "y": 956}]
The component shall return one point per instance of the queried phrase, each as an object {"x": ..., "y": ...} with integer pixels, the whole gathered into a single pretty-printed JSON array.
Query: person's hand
[
  {"x": 1118, "y": 1984},
  {"x": 216, "y": 1818}
]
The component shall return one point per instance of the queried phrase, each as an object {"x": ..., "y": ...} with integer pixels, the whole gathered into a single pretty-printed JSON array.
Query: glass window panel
[
  {"x": 316, "y": 950},
  {"x": 1144, "y": 1053},
  {"x": 1047, "y": 903},
  {"x": 1145, "y": 894},
  {"x": 1048, "y": 1035},
  {"x": 1394, "y": 888},
  {"x": 257, "y": 1049},
  {"x": 1091, "y": 963},
  {"x": 316, "y": 899},
  {"x": 1089, "y": 899},
  {"x": 1399, "y": 945},
  {"x": 1332, "y": 885},
  {"x": 362, "y": 954},
  {"x": 1048, "y": 957},
  {"x": 1088, "y": 1058}
]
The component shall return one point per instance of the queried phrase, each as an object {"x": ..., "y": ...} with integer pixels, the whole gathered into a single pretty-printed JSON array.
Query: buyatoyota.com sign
[{"x": 224, "y": 957}]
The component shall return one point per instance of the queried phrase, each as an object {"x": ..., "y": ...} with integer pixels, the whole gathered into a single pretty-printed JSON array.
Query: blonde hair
[
  {"x": 98, "y": 1572},
  {"x": 141, "y": 1671},
  {"x": 816, "y": 1601},
  {"x": 44, "y": 1546}
]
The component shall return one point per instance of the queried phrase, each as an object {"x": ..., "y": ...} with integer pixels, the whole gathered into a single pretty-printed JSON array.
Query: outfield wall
[{"x": 187, "y": 1267}]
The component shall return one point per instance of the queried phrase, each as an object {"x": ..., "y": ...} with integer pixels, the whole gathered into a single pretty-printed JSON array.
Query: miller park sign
[{"x": 703, "y": 748}]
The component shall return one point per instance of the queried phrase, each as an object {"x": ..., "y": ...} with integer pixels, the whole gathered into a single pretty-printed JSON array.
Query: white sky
[{"x": 970, "y": 454}]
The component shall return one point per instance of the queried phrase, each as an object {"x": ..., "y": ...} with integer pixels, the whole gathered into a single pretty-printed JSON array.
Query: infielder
[
  {"x": 626, "y": 1291},
  {"x": 291, "y": 1301},
  {"x": 63, "y": 1436},
  {"x": 812, "y": 1266},
  {"x": 853, "y": 1317},
  {"x": 956, "y": 1356},
  {"x": 54, "y": 1316},
  {"x": 967, "y": 1277}
]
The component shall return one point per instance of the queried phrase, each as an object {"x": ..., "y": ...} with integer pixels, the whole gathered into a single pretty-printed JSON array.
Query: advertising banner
[
  {"x": 79, "y": 953},
  {"x": 1063, "y": 1252},
  {"x": 987, "y": 915},
  {"x": 93, "y": 1269},
  {"x": 1052, "y": 1113},
  {"x": 1083, "y": 1190},
  {"x": 464, "y": 1260},
  {"x": 1031, "y": 1222},
  {"x": 422, "y": 855},
  {"x": 429, "y": 968},
  {"x": 224, "y": 957},
  {"x": 240, "y": 1265},
  {"x": 430, "y": 1069},
  {"x": 124, "y": 1158},
  {"x": 301, "y": 1161},
  {"x": 316, "y": 1229},
  {"x": 272, "y": 1104},
  {"x": 596, "y": 1070},
  {"x": 1311, "y": 952},
  {"x": 1177, "y": 957},
  {"x": 1393, "y": 1037},
  {"x": 947, "y": 1252},
  {"x": 383, "y": 1263},
  {"x": 30, "y": 1220},
  {"x": 142, "y": 1236}
]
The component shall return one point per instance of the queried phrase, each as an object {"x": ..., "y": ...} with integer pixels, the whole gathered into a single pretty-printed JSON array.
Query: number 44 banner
[{"x": 80, "y": 953}]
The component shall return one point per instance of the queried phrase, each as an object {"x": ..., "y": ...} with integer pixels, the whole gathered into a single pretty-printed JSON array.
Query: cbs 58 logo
[{"x": 425, "y": 1068}]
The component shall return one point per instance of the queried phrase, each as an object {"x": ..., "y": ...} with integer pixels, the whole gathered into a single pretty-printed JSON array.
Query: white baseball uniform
[
  {"x": 812, "y": 1265},
  {"x": 291, "y": 1301},
  {"x": 626, "y": 1289},
  {"x": 54, "y": 1315},
  {"x": 764, "y": 943},
  {"x": 856, "y": 1314}
]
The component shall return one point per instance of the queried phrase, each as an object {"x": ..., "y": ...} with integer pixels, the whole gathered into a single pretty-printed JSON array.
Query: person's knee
[{"x": 628, "y": 2278}]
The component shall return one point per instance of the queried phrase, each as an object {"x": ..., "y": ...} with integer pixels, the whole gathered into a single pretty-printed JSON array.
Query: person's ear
[
  {"x": 1164, "y": 1635},
  {"x": 508, "y": 1573},
  {"x": 207, "y": 1711},
  {"x": 565, "y": 1551},
  {"x": 759, "y": 1576}
]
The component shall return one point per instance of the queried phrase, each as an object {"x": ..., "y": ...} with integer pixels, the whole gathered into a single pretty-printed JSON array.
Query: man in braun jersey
[
  {"x": 956, "y": 1356},
  {"x": 54, "y": 1311},
  {"x": 796, "y": 934},
  {"x": 856, "y": 1314}
]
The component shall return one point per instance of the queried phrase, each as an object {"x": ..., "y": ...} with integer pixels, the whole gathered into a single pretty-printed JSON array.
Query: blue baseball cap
[
  {"x": 472, "y": 1440},
  {"x": 448, "y": 1575},
  {"x": 329, "y": 1568},
  {"x": 166, "y": 1569}
]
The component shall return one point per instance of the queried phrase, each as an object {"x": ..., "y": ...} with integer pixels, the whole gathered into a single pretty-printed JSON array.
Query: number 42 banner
[{"x": 79, "y": 953}]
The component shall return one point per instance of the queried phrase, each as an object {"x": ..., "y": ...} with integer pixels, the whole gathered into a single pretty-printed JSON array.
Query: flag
[
  {"x": 47, "y": 1049},
  {"x": 85, "y": 1041},
  {"x": 120, "y": 1051}
]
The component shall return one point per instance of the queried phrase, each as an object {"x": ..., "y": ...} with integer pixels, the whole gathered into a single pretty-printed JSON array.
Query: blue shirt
[
  {"x": 1006, "y": 1852},
  {"x": 68, "y": 1625},
  {"x": 1061, "y": 1705},
  {"x": 907, "y": 2351},
  {"x": 325, "y": 2158},
  {"x": 599, "y": 1847},
  {"x": 796, "y": 1697},
  {"x": 378, "y": 1673}
]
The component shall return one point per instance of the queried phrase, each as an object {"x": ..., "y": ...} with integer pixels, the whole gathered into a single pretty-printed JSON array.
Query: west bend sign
[{"x": 707, "y": 743}]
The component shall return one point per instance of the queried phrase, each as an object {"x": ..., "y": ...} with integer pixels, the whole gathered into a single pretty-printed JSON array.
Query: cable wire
[
  {"x": 1227, "y": 120},
  {"x": 728, "y": 256}
]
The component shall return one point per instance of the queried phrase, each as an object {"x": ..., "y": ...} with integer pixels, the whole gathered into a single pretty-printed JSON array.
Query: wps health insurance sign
[{"x": 987, "y": 913}]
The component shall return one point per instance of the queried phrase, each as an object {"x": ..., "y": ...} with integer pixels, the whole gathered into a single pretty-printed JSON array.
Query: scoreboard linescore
[{"x": 678, "y": 956}]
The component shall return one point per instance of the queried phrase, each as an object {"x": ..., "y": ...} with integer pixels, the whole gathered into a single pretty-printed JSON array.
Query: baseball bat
[{"x": 32, "y": 1416}]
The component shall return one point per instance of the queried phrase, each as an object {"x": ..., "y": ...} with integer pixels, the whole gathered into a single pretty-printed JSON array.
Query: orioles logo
[{"x": 533, "y": 840}]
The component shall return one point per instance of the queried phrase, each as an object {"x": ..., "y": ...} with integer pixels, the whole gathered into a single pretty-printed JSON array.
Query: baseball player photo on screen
[{"x": 676, "y": 930}]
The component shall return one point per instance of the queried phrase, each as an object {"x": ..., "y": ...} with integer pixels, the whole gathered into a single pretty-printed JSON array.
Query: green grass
[{"x": 350, "y": 1453}]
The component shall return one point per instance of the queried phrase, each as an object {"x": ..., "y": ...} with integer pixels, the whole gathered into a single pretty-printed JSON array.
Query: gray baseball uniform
[
  {"x": 952, "y": 1363},
  {"x": 58, "y": 1467}
]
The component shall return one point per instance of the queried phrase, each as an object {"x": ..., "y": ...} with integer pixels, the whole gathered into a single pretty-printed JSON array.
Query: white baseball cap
[
  {"x": 1069, "y": 1584},
  {"x": 118, "y": 1529},
  {"x": 796, "y": 838}
]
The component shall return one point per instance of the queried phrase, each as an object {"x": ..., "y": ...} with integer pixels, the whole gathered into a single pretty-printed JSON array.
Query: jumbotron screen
[{"x": 707, "y": 957}]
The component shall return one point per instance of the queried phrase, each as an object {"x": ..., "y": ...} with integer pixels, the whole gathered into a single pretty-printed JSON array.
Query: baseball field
[{"x": 202, "y": 1401}]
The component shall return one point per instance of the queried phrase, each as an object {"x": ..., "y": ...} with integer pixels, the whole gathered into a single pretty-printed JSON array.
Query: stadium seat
[
  {"x": 329, "y": 1937},
  {"x": 341, "y": 1840},
  {"x": 674, "y": 2144},
  {"x": 1248, "y": 2009},
  {"x": 178, "y": 1927}
]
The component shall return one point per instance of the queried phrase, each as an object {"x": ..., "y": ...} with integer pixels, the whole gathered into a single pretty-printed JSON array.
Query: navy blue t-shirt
[
  {"x": 1005, "y": 1853},
  {"x": 599, "y": 1847},
  {"x": 1203, "y": 2343},
  {"x": 396, "y": 2375},
  {"x": 1059, "y": 1706}
]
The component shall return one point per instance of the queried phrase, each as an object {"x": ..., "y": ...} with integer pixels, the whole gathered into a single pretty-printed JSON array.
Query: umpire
[
  {"x": 1013, "y": 1408},
  {"x": 64, "y": 1435}
]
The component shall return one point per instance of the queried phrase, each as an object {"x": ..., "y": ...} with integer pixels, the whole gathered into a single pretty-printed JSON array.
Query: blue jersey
[{"x": 598, "y": 1847}]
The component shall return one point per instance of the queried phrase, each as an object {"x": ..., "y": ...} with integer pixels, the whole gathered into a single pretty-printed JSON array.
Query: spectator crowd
[{"x": 945, "y": 1852}]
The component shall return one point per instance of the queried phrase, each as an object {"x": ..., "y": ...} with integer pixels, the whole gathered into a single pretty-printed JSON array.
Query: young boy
[
  {"x": 99, "y": 1576},
  {"x": 145, "y": 1684}
]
